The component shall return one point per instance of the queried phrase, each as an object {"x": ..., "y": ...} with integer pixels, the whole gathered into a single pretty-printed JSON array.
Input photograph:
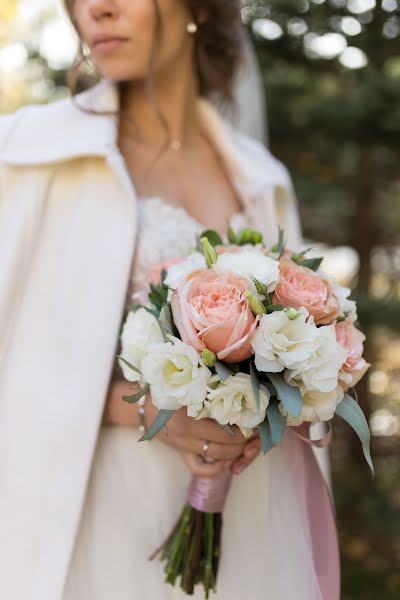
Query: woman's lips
[{"x": 109, "y": 45}]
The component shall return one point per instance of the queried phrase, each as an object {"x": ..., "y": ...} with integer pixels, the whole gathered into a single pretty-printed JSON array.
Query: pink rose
[
  {"x": 352, "y": 340},
  {"x": 299, "y": 286},
  {"x": 211, "y": 311}
]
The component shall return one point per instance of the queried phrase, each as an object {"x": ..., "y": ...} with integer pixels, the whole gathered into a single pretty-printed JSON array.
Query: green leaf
[
  {"x": 158, "y": 295},
  {"x": 213, "y": 237},
  {"x": 299, "y": 256},
  {"x": 136, "y": 397},
  {"x": 312, "y": 263},
  {"x": 153, "y": 312},
  {"x": 129, "y": 364},
  {"x": 289, "y": 395},
  {"x": 222, "y": 370},
  {"x": 265, "y": 436},
  {"x": 351, "y": 412},
  {"x": 273, "y": 307},
  {"x": 255, "y": 384},
  {"x": 277, "y": 422},
  {"x": 166, "y": 317},
  {"x": 281, "y": 244},
  {"x": 226, "y": 428},
  {"x": 261, "y": 289},
  {"x": 231, "y": 235},
  {"x": 159, "y": 422}
]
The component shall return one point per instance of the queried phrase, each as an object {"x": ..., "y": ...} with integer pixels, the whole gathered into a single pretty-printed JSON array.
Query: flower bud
[
  {"x": 292, "y": 313},
  {"x": 209, "y": 252},
  {"x": 209, "y": 358},
  {"x": 256, "y": 306}
]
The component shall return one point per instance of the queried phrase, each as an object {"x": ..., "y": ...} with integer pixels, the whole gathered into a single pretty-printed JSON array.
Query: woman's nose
[{"x": 100, "y": 9}]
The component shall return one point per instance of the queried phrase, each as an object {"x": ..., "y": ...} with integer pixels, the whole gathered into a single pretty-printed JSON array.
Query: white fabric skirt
[{"x": 135, "y": 494}]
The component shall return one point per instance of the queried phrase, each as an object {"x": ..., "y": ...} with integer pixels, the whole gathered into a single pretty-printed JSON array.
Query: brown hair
[{"x": 218, "y": 53}]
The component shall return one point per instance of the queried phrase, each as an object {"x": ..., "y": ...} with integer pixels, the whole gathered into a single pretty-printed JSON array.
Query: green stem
[
  {"x": 175, "y": 560},
  {"x": 209, "y": 523}
]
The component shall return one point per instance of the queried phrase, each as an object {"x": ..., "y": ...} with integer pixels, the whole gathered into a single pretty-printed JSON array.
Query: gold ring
[{"x": 206, "y": 446}]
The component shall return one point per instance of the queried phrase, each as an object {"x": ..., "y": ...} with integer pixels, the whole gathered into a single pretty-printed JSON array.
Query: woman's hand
[{"x": 185, "y": 434}]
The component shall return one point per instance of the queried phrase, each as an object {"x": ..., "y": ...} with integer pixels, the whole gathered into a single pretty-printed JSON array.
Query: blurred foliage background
[{"x": 331, "y": 72}]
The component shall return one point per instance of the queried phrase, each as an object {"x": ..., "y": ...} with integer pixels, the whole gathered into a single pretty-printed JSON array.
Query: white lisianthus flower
[
  {"x": 250, "y": 262},
  {"x": 232, "y": 402},
  {"x": 139, "y": 330},
  {"x": 281, "y": 343},
  {"x": 317, "y": 406},
  {"x": 348, "y": 308},
  {"x": 320, "y": 371},
  {"x": 349, "y": 379},
  {"x": 176, "y": 273},
  {"x": 176, "y": 375}
]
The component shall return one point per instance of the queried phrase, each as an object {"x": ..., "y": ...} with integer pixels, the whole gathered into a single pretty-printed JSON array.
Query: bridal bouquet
[{"x": 251, "y": 336}]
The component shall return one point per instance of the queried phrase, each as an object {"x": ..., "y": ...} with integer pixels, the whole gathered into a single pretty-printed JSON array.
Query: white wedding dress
[{"x": 136, "y": 491}]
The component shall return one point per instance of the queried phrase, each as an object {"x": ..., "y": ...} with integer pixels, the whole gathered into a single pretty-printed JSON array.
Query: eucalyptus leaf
[
  {"x": 351, "y": 412},
  {"x": 299, "y": 256},
  {"x": 265, "y": 436},
  {"x": 159, "y": 422},
  {"x": 136, "y": 397},
  {"x": 227, "y": 428},
  {"x": 289, "y": 395},
  {"x": 277, "y": 422},
  {"x": 222, "y": 370},
  {"x": 213, "y": 237},
  {"x": 152, "y": 311},
  {"x": 312, "y": 263},
  {"x": 255, "y": 384},
  {"x": 167, "y": 319},
  {"x": 129, "y": 364}
]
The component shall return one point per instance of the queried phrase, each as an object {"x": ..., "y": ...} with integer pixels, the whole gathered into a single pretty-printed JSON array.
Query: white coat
[{"x": 67, "y": 238}]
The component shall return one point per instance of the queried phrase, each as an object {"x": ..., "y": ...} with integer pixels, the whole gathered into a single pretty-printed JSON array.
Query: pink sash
[{"x": 319, "y": 512}]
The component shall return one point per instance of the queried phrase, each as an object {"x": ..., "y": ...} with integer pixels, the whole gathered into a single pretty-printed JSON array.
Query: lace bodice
[{"x": 165, "y": 232}]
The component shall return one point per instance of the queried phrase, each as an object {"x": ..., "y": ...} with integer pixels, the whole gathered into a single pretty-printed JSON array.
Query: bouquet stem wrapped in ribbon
[
  {"x": 192, "y": 550},
  {"x": 254, "y": 337}
]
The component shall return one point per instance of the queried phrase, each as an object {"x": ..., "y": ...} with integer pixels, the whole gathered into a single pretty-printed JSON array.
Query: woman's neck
[{"x": 174, "y": 95}]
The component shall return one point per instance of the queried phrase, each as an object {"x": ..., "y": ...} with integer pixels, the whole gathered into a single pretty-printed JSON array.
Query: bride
[{"x": 94, "y": 191}]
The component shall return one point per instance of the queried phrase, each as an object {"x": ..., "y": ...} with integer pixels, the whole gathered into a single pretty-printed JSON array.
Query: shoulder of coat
[{"x": 45, "y": 133}]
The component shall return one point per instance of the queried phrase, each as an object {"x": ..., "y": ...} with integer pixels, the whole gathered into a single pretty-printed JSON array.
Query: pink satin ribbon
[
  {"x": 208, "y": 494},
  {"x": 318, "y": 511}
]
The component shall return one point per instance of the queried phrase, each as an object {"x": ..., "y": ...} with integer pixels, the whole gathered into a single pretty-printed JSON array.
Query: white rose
[
  {"x": 176, "y": 375},
  {"x": 175, "y": 273},
  {"x": 139, "y": 330},
  {"x": 320, "y": 371},
  {"x": 281, "y": 343},
  {"x": 232, "y": 402},
  {"x": 250, "y": 262},
  {"x": 317, "y": 406}
]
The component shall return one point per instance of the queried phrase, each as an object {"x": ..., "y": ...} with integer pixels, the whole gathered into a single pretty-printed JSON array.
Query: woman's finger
[
  {"x": 250, "y": 453},
  {"x": 200, "y": 468},
  {"x": 220, "y": 451},
  {"x": 207, "y": 429}
]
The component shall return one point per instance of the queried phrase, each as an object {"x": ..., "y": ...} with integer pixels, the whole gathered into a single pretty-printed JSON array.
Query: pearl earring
[{"x": 191, "y": 27}]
